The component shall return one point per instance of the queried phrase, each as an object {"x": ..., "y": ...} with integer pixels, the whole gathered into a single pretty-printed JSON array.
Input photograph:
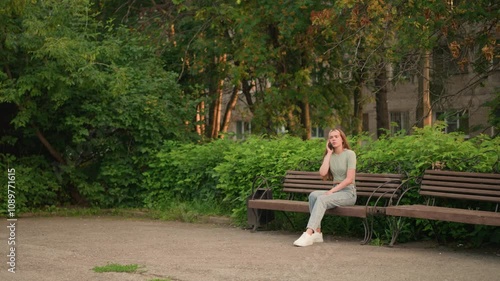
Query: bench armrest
[
  {"x": 385, "y": 193},
  {"x": 404, "y": 193},
  {"x": 264, "y": 182}
]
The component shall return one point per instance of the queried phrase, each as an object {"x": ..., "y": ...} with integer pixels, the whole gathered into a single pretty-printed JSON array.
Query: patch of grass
[
  {"x": 114, "y": 267},
  {"x": 192, "y": 212},
  {"x": 88, "y": 212}
]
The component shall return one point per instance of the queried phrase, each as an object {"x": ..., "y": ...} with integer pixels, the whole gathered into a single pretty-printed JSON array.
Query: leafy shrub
[
  {"x": 184, "y": 172},
  {"x": 35, "y": 183},
  {"x": 269, "y": 158}
]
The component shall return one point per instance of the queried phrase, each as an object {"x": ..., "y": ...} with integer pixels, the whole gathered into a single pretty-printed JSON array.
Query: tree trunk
[
  {"x": 75, "y": 195},
  {"x": 229, "y": 109},
  {"x": 358, "y": 103},
  {"x": 426, "y": 99},
  {"x": 306, "y": 117},
  {"x": 382, "y": 109},
  {"x": 246, "y": 88},
  {"x": 49, "y": 147},
  {"x": 200, "y": 118},
  {"x": 217, "y": 111}
]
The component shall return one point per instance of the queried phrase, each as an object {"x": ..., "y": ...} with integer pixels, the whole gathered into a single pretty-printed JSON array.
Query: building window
[
  {"x": 243, "y": 129},
  {"x": 456, "y": 121},
  {"x": 281, "y": 130},
  {"x": 399, "y": 121},
  {"x": 317, "y": 132}
]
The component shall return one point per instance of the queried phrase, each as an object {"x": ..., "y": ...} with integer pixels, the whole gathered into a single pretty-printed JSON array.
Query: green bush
[
  {"x": 217, "y": 177},
  {"x": 269, "y": 158},
  {"x": 184, "y": 172},
  {"x": 36, "y": 185}
]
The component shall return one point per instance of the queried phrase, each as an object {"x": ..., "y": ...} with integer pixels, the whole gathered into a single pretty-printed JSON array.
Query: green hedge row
[{"x": 221, "y": 174}]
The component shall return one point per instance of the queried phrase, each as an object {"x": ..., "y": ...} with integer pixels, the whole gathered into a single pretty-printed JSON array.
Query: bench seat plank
[
  {"x": 445, "y": 214},
  {"x": 303, "y": 207}
]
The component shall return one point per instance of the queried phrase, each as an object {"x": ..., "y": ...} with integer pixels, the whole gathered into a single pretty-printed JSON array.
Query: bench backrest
[
  {"x": 461, "y": 185},
  {"x": 386, "y": 185}
]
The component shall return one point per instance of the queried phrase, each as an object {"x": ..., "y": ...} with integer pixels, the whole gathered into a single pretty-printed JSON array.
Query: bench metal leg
[
  {"x": 368, "y": 231},
  {"x": 257, "y": 216},
  {"x": 395, "y": 227}
]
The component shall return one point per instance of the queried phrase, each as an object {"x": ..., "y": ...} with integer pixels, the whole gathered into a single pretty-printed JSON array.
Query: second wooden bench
[{"x": 443, "y": 192}]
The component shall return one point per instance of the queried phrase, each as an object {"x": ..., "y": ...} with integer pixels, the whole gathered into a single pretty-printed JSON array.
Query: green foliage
[
  {"x": 261, "y": 157},
  {"x": 97, "y": 96},
  {"x": 417, "y": 152},
  {"x": 180, "y": 171},
  {"x": 225, "y": 176},
  {"x": 35, "y": 184}
]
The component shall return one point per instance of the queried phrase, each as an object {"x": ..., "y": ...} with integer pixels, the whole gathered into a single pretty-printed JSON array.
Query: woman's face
[{"x": 335, "y": 139}]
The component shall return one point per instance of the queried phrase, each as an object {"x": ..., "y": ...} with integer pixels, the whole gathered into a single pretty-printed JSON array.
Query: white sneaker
[
  {"x": 317, "y": 237},
  {"x": 304, "y": 240}
]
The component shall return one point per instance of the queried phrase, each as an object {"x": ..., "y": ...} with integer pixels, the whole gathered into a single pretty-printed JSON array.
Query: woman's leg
[
  {"x": 345, "y": 197},
  {"x": 313, "y": 196},
  {"x": 318, "y": 204}
]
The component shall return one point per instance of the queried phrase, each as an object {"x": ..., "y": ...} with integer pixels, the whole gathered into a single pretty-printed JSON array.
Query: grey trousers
[{"x": 319, "y": 203}]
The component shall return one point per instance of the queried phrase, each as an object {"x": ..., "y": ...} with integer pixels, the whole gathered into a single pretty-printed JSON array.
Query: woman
[{"x": 339, "y": 163}]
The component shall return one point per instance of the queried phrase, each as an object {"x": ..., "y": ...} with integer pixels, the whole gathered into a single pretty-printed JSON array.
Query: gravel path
[{"x": 68, "y": 248}]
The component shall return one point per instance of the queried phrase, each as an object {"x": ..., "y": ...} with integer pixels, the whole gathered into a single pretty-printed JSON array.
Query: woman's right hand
[{"x": 329, "y": 147}]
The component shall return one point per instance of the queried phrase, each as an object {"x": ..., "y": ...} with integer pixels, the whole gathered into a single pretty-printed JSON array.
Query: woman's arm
[
  {"x": 325, "y": 166},
  {"x": 351, "y": 173}
]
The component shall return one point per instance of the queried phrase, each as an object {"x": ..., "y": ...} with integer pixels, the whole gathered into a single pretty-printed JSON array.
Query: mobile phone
[{"x": 330, "y": 146}]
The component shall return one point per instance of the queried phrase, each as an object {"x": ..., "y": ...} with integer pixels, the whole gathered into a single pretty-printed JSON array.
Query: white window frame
[
  {"x": 402, "y": 121},
  {"x": 243, "y": 129},
  {"x": 317, "y": 133},
  {"x": 458, "y": 117}
]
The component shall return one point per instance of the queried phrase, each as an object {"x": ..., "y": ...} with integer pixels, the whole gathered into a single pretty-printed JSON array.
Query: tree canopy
[{"x": 94, "y": 87}]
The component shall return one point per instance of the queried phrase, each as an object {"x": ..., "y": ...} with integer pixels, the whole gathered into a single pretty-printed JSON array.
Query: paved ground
[{"x": 67, "y": 248}]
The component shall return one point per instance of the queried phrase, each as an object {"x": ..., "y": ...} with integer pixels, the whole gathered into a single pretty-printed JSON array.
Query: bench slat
[
  {"x": 375, "y": 185},
  {"x": 364, "y": 186},
  {"x": 461, "y": 184},
  {"x": 310, "y": 186},
  {"x": 461, "y": 190},
  {"x": 302, "y": 190},
  {"x": 382, "y": 189},
  {"x": 445, "y": 214},
  {"x": 464, "y": 180},
  {"x": 461, "y": 196},
  {"x": 308, "y": 182},
  {"x": 465, "y": 174},
  {"x": 358, "y": 193}
]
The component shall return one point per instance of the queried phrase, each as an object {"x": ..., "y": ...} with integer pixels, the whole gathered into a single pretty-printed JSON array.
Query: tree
[{"x": 90, "y": 94}]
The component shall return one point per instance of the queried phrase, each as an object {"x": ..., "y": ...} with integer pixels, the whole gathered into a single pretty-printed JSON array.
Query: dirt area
[{"x": 68, "y": 248}]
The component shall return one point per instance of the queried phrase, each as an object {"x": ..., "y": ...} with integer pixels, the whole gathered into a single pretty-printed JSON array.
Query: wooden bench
[
  {"x": 377, "y": 190},
  {"x": 452, "y": 186}
]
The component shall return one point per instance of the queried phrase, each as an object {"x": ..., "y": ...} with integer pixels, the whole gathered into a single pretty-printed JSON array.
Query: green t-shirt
[{"x": 340, "y": 163}]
